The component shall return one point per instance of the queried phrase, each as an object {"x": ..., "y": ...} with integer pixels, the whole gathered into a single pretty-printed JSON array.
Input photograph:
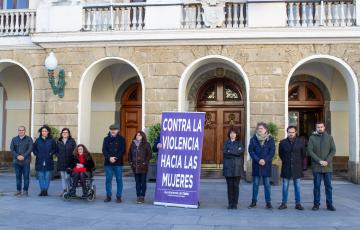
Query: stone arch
[
  {"x": 85, "y": 89},
  {"x": 351, "y": 83}
]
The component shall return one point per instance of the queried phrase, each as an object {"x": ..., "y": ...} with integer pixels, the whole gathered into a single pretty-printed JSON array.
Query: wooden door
[
  {"x": 222, "y": 101},
  {"x": 130, "y": 118}
]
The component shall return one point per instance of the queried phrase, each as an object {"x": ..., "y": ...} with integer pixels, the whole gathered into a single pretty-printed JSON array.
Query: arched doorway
[
  {"x": 16, "y": 101},
  {"x": 306, "y": 107},
  {"x": 341, "y": 108},
  {"x": 223, "y": 102},
  {"x": 100, "y": 98},
  {"x": 130, "y": 113}
]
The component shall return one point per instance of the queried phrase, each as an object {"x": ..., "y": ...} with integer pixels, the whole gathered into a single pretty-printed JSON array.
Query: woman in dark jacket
[
  {"x": 233, "y": 167},
  {"x": 262, "y": 151},
  {"x": 65, "y": 150},
  {"x": 44, "y": 149},
  {"x": 82, "y": 165},
  {"x": 139, "y": 157}
]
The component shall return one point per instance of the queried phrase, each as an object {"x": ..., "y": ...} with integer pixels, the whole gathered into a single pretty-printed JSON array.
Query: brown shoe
[
  {"x": 142, "y": 199},
  {"x": 107, "y": 199},
  {"x": 138, "y": 200},
  {"x": 118, "y": 199},
  {"x": 25, "y": 193},
  {"x": 18, "y": 193},
  {"x": 282, "y": 206}
]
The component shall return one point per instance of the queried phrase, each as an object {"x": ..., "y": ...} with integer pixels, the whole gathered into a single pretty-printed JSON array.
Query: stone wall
[{"x": 266, "y": 66}]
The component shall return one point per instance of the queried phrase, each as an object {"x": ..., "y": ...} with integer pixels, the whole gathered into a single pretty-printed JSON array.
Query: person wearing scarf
[
  {"x": 139, "y": 158},
  {"x": 262, "y": 151}
]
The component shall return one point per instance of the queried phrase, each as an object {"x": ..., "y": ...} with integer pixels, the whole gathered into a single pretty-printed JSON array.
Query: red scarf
[{"x": 81, "y": 161}]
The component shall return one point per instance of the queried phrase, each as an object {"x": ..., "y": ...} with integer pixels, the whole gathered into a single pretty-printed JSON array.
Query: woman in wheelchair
[{"x": 82, "y": 167}]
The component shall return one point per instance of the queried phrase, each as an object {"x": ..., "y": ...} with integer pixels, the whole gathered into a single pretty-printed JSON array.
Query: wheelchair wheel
[
  {"x": 91, "y": 196},
  {"x": 66, "y": 196}
]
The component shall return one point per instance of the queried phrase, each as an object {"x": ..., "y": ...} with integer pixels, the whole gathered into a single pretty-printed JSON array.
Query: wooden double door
[
  {"x": 222, "y": 101},
  {"x": 130, "y": 118}
]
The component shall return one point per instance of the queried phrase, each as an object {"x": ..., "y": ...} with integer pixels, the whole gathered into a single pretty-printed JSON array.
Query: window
[
  {"x": 210, "y": 93},
  {"x": 294, "y": 94},
  {"x": 14, "y": 4},
  {"x": 230, "y": 93}
]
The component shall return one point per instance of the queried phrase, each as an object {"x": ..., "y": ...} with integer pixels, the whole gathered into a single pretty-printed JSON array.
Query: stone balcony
[{"x": 180, "y": 21}]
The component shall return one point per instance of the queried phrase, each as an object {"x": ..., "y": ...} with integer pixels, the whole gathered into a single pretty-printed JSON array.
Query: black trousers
[
  {"x": 76, "y": 177},
  {"x": 233, "y": 190},
  {"x": 140, "y": 179}
]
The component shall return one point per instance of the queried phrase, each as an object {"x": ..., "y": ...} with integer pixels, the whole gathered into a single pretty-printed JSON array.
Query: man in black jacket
[
  {"x": 21, "y": 148},
  {"x": 113, "y": 150},
  {"x": 292, "y": 152}
]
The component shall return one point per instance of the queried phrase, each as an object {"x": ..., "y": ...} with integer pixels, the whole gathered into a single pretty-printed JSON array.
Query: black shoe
[
  {"x": 229, "y": 206},
  {"x": 282, "y": 206},
  {"x": 269, "y": 206},
  {"x": 41, "y": 193},
  {"x": 234, "y": 206},
  {"x": 252, "y": 205},
  {"x": 299, "y": 207},
  {"x": 331, "y": 208},
  {"x": 45, "y": 193},
  {"x": 315, "y": 207},
  {"x": 107, "y": 199},
  {"x": 118, "y": 199}
]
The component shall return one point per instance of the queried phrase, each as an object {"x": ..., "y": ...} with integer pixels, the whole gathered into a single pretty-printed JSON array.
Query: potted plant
[
  {"x": 55, "y": 133},
  {"x": 152, "y": 135},
  {"x": 275, "y": 166}
]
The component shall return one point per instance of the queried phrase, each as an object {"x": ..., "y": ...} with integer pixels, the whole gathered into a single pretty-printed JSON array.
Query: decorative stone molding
[{"x": 213, "y": 14}]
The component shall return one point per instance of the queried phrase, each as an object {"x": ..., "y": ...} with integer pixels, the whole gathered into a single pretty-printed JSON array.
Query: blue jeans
[
  {"x": 140, "y": 179},
  {"x": 22, "y": 170},
  {"x": 328, "y": 187},
  {"x": 285, "y": 190},
  {"x": 44, "y": 179},
  {"x": 267, "y": 188},
  {"x": 109, "y": 171}
]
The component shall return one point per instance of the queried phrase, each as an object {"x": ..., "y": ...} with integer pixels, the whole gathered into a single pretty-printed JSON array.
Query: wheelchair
[{"x": 89, "y": 185}]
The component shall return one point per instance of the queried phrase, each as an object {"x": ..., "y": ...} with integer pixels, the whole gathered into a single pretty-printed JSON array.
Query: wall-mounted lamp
[{"x": 51, "y": 64}]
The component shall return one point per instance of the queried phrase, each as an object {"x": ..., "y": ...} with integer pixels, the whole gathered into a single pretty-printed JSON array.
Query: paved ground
[{"x": 54, "y": 213}]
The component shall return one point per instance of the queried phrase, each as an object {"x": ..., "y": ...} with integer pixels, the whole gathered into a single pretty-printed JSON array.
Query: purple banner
[{"x": 179, "y": 159}]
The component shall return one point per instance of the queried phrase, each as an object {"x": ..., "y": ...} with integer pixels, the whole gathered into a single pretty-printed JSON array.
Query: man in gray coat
[
  {"x": 321, "y": 148},
  {"x": 21, "y": 147}
]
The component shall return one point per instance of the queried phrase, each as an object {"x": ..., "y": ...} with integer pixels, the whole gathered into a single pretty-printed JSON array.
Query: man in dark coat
[
  {"x": 321, "y": 148},
  {"x": 262, "y": 151},
  {"x": 292, "y": 152},
  {"x": 113, "y": 151},
  {"x": 21, "y": 147}
]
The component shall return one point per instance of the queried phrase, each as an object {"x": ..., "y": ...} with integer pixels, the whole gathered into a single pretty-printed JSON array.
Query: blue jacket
[
  {"x": 113, "y": 147},
  {"x": 257, "y": 152},
  {"x": 22, "y": 147},
  {"x": 44, "y": 151}
]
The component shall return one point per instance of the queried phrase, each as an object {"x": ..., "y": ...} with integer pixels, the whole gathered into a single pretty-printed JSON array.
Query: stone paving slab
[{"x": 52, "y": 212}]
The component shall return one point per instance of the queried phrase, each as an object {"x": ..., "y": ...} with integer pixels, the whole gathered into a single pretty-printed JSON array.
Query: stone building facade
[{"x": 131, "y": 81}]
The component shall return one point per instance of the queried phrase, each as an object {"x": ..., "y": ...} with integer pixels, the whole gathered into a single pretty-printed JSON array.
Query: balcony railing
[
  {"x": 132, "y": 16},
  {"x": 309, "y": 13},
  {"x": 114, "y": 17},
  {"x": 17, "y": 22}
]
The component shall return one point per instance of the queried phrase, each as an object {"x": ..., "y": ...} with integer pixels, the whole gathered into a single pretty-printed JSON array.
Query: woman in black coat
[
  {"x": 65, "y": 149},
  {"x": 233, "y": 166},
  {"x": 139, "y": 157}
]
